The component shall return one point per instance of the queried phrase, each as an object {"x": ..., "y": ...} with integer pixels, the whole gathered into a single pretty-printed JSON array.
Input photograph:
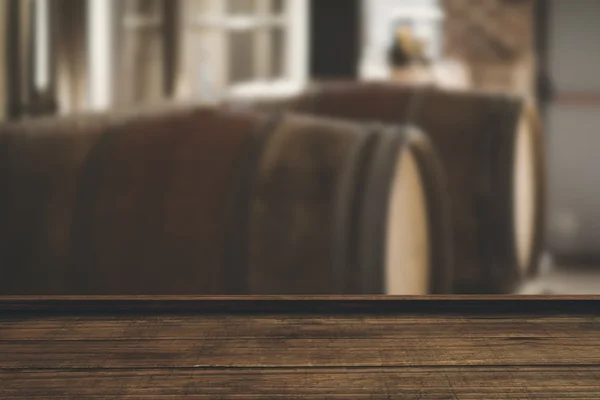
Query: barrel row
[
  {"x": 492, "y": 153},
  {"x": 208, "y": 200}
]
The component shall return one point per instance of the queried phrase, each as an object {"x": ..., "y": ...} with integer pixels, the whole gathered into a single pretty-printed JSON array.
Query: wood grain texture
[{"x": 280, "y": 347}]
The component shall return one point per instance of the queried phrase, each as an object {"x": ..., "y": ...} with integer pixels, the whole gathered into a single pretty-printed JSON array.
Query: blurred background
[{"x": 67, "y": 56}]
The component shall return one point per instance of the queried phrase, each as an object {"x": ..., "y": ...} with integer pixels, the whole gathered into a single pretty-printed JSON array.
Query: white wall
[
  {"x": 576, "y": 43},
  {"x": 377, "y": 33},
  {"x": 574, "y": 131}
]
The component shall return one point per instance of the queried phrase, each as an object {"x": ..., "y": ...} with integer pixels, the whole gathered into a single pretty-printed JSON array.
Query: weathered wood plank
[
  {"x": 390, "y": 346},
  {"x": 109, "y": 327},
  {"x": 400, "y": 383},
  {"x": 280, "y": 348}
]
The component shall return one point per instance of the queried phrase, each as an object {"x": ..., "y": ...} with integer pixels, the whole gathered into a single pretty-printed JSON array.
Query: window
[
  {"x": 234, "y": 44},
  {"x": 201, "y": 50}
]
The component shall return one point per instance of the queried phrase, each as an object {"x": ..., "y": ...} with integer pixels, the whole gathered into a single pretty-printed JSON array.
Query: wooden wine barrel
[
  {"x": 129, "y": 204},
  {"x": 208, "y": 201},
  {"x": 39, "y": 164},
  {"x": 492, "y": 152},
  {"x": 337, "y": 208}
]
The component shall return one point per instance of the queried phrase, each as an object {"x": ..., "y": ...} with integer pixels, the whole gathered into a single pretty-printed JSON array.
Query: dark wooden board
[{"x": 300, "y": 347}]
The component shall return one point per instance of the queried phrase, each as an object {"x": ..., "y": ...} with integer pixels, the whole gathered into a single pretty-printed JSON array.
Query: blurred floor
[{"x": 564, "y": 280}]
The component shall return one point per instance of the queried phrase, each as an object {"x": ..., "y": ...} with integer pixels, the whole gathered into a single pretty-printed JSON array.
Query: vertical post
[
  {"x": 26, "y": 31},
  {"x": 52, "y": 54},
  {"x": 42, "y": 93},
  {"x": 3, "y": 58},
  {"x": 17, "y": 56},
  {"x": 100, "y": 54},
  {"x": 219, "y": 59},
  {"x": 120, "y": 82},
  {"x": 42, "y": 45},
  {"x": 297, "y": 58},
  {"x": 70, "y": 55},
  {"x": 207, "y": 66},
  {"x": 543, "y": 79},
  {"x": 171, "y": 45},
  {"x": 262, "y": 44}
]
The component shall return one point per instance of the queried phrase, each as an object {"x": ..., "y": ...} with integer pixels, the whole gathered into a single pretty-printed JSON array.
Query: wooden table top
[{"x": 280, "y": 347}]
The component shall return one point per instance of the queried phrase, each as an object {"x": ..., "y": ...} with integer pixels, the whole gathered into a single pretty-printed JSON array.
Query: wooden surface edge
[{"x": 514, "y": 304}]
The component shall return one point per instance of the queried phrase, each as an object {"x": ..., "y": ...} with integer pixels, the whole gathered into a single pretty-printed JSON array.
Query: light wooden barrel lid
[
  {"x": 524, "y": 191},
  {"x": 407, "y": 265}
]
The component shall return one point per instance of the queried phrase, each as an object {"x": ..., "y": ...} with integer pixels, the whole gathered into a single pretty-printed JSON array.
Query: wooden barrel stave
[
  {"x": 439, "y": 212},
  {"x": 174, "y": 174},
  {"x": 39, "y": 175},
  {"x": 292, "y": 214}
]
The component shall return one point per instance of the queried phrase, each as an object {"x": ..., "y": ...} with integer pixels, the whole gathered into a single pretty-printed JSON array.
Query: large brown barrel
[
  {"x": 208, "y": 201},
  {"x": 39, "y": 164},
  {"x": 342, "y": 208},
  {"x": 132, "y": 203},
  {"x": 492, "y": 152}
]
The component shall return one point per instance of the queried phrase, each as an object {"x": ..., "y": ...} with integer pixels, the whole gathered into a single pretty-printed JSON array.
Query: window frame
[
  {"x": 182, "y": 72},
  {"x": 294, "y": 20}
]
